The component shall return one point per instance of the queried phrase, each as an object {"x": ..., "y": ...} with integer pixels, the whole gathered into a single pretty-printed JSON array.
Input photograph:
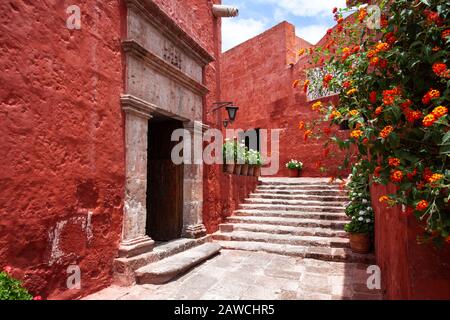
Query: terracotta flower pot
[
  {"x": 229, "y": 168},
  {"x": 237, "y": 169},
  {"x": 250, "y": 170},
  {"x": 360, "y": 242},
  {"x": 244, "y": 170},
  {"x": 293, "y": 173},
  {"x": 257, "y": 171}
]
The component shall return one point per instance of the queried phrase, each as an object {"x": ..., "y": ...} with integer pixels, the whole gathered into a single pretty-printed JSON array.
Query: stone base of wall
[
  {"x": 222, "y": 195},
  {"x": 409, "y": 270}
]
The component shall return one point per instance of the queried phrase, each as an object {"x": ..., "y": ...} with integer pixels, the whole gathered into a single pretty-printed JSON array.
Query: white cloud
[
  {"x": 236, "y": 31},
  {"x": 306, "y": 8},
  {"x": 312, "y": 33}
]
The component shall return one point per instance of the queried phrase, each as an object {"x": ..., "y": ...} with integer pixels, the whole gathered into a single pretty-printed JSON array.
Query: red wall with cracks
[
  {"x": 62, "y": 168},
  {"x": 62, "y": 171}
]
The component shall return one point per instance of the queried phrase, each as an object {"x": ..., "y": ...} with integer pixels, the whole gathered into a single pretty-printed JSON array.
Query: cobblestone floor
[{"x": 235, "y": 275}]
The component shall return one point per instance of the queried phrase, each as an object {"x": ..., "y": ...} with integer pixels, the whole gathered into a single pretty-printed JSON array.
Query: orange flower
[
  {"x": 389, "y": 96},
  {"x": 306, "y": 85},
  {"x": 422, "y": 205},
  {"x": 386, "y": 132},
  {"x": 397, "y": 176},
  {"x": 384, "y": 199},
  {"x": 439, "y": 69},
  {"x": 377, "y": 171},
  {"x": 429, "y": 120},
  {"x": 353, "y": 113},
  {"x": 351, "y": 92},
  {"x": 412, "y": 116},
  {"x": 439, "y": 112},
  {"x": 374, "y": 61},
  {"x": 335, "y": 114},
  {"x": 382, "y": 46},
  {"x": 356, "y": 134},
  {"x": 295, "y": 83},
  {"x": 445, "y": 34},
  {"x": 301, "y": 125},
  {"x": 307, "y": 134},
  {"x": 394, "y": 162},
  {"x": 431, "y": 94},
  {"x": 316, "y": 105},
  {"x": 435, "y": 177},
  {"x": 362, "y": 15},
  {"x": 378, "y": 111},
  {"x": 301, "y": 52},
  {"x": 371, "y": 53}
]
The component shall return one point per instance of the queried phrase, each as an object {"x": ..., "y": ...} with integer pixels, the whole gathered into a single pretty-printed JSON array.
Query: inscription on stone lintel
[{"x": 172, "y": 55}]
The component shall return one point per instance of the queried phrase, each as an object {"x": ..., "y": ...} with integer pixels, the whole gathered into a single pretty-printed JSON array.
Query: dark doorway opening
[{"x": 164, "y": 182}]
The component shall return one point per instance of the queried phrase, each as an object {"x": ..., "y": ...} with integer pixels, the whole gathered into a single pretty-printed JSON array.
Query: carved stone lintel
[
  {"x": 134, "y": 247},
  {"x": 139, "y": 107},
  {"x": 194, "y": 231}
]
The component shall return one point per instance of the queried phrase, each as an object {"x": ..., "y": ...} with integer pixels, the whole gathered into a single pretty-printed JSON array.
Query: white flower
[
  {"x": 360, "y": 219},
  {"x": 368, "y": 220},
  {"x": 360, "y": 194},
  {"x": 362, "y": 212},
  {"x": 369, "y": 209},
  {"x": 365, "y": 201}
]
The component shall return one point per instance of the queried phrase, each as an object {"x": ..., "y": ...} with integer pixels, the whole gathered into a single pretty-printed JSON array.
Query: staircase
[{"x": 302, "y": 217}]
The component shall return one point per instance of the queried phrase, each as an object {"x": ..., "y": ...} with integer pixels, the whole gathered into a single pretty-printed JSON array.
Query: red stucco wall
[
  {"x": 258, "y": 77},
  {"x": 409, "y": 270},
  {"x": 62, "y": 168}
]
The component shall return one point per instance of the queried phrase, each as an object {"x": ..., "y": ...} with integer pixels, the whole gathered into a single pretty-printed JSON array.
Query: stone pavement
[{"x": 236, "y": 275}]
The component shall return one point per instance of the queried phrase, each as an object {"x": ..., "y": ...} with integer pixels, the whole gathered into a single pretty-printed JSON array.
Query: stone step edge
[
  {"x": 124, "y": 268},
  {"x": 317, "y": 253},
  {"x": 167, "y": 269},
  {"x": 290, "y": 222},
  {"x": 283, "y": 239},
  {"x": 320, "y": 215},
  {"x": 282, "y": 229}
]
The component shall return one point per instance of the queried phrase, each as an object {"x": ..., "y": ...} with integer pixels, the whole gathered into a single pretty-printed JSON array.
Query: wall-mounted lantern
[{"x": 231, "y": 110}]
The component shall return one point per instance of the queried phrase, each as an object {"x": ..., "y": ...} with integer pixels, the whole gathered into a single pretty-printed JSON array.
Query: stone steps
[
  {"x": 298, "y": 181},
  {"x": 313, "y": 192},
  {"x": 292, "y": 214},
  {"x": 290, "y": 222},
  {"x": 302, "y": 217},
  {"x": 167, "y": 269},
  {"x": 289, "y": 239},
  {"x": 298, "y": 208},
  {"x": 289, "y": 202},
  {"x": 263, "y": 195},
  {"x": 282, "y": 229},
  {"x": 124, "y": 268},
  {"x": 320, "y": 253}
]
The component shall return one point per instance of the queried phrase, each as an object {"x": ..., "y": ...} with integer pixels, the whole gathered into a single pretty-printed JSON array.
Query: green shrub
[{"x": 12, "y": 289}]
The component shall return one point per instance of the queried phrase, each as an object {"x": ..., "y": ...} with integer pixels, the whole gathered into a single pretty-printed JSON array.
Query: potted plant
[
  {"x": 258, "y": 164},
  {"x": 229, "y": 156},
  {"x": 294, "y": 167},
  {"x": 245, "y": 165},
  {"x": 360, "y": 235},
  {"x": 360, "y": 211},
  {"x": 239, "y": 158},
  {"x": 252, "y": 160}
]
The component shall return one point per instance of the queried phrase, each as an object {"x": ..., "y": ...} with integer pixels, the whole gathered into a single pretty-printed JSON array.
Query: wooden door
[{"x": 164, "y": 185}]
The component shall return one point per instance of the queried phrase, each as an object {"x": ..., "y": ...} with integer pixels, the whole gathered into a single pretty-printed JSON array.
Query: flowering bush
[
  {"x": 394, "y": 89},
  {"x": 359, "y": 209},
  {"x": 254, "y": 158},
  {"x": 294, "y": 164},
  {"x": 11, "y": 289}
]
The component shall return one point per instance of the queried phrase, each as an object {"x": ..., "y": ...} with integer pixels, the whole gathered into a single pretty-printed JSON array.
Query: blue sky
[{"x": 312, "y": 18}]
